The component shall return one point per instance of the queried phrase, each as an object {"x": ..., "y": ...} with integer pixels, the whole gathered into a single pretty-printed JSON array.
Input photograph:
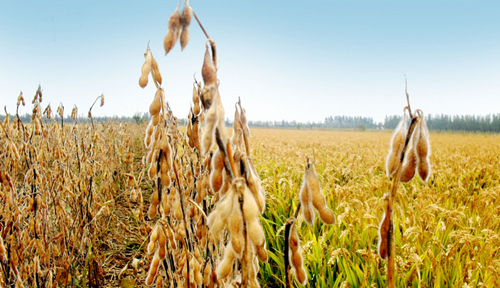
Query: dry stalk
[{"x": 399, "y": 154}]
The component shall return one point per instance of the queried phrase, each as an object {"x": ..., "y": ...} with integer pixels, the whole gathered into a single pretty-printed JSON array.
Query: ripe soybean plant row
[{"x": 208, "y": 197}]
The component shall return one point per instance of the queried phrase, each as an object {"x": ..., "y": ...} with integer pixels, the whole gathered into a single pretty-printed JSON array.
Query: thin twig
[
  {"x": 408, "y": 97},
  {"x": 199, "y": 208},
  {"x": 201, "y": 26},
  {"x": 181, "y": 196},
  {"x": 391, "y": 266}
]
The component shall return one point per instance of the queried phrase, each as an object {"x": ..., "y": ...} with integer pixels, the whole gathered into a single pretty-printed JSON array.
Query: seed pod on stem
[
  {"x": 236, "y": 127},
  {"x": 217, "y": 218},
  {"x": 295, "y": 256},
  {"x": 305, "y": 198},
  {"x": 251, "y": 212},
  {"x": 196, "y": 133},
  {"x": 244, "y": 123},
  {"x": 217, "y": 170},
  {"x": 423, "y": 149},
  {"x": 236, "y": 228},
  {"x": 208, "y": 70},
  {"x": 225, "y": 266},
  {"x": 255, "y": 184},
  {"x": 153, "y": 269},
  {"x": 411, "y": 159},
  {"x": 384, "y": 231},
  {"x": 318, "y": 200},
  {"x": 174, "y": 26},
  {"x": 196, "y": 101},
  {"x": 162, "y": 242},
  {"x": 189, "y": 130},
  {"x": 154, "y": 108},
  {"x": 187, "y": 13},
  {"x": 211, "y": 121},
  {"x": 262, "y": 252},
  {"x": 207, "y": 274},
  {"x": 146, "y": 68},
  {"x": 155, "y": 201},
  {"x": 156, "y": 71},
  {"x": 397, "y": 144}
]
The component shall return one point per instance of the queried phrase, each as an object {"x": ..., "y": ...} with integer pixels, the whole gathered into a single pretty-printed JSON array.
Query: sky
[{"x": 287, "y": 60}]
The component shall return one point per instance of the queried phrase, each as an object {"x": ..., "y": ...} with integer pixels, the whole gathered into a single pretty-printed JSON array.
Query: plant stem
[
  {"x": 391, "y": 265},
  {"x": 188, "y": 238},
  {"x": 201, "y": 26}
]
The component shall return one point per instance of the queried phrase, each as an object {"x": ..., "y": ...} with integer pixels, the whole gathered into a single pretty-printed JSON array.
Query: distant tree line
[
  {"x": 467, "y": 123},
  {"x": 332, "y": 122}
]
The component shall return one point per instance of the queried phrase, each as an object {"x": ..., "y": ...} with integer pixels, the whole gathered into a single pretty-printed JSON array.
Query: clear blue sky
[{"x": 292, "y": 60}]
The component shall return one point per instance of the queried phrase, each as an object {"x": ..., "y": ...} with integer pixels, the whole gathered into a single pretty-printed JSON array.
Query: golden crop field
[
  {"x": 71, "y": 213},
  {"x": 159, "y": 205},
  {"x": 447, "y": 231}
]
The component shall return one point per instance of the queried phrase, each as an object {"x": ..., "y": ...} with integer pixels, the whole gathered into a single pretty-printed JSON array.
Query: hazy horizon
[{"x": 286, "y": 60}]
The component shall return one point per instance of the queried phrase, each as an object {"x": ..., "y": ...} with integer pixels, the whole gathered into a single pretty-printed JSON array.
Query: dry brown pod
[
  {"x": 208, "y": 70},
  {"x": 162, "y": 242},
  {"x": 301, "y": 275},
  {"x": 174, "y": 26},
  {"x": 384, "y": 230},
  {"x": 225, "y": 266},
  {"x": 251, "y": 213},
  {"x": 262, "y": 252},
  {"x": 196, "y": 101},
  {"x": 236, "y": 228},
  {"x": 189, "y": 130},
  {"x": 196, "y": 134},
  {"x": 318, "y": 200},
  {"x": 146, "y": 69},
  {"x": 244, "y": 123},
  {"x": 217, "y": 218},
  {"x": 397, "y": 145},
  {"x": 154, "y": 108},
  {"x": 295, "y": 256},
  {"x": 293, "y": 240},
  {"x": 411, "y": 159},
  {"x": 156, "y": 71},
  {"x": 153, "y": 269},
  {"x": 305, "y": 198},
  {"x": 211, "y": 122},
  {"x": 207, "y": 273},
  {"x": 217, "y": 166},
  {"x": 423, "y": 150},
  {"x": 187, "y": 14}
]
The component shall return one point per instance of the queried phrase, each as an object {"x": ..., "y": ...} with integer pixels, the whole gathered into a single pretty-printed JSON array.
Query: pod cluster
[
  {"x": 416, "y": 159},
  {"x": 199, "y": 173},
  {"x": 178, "y": 27},
  {"x": 57, "y": 184},
  {"x": 311, "y": 200}
]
